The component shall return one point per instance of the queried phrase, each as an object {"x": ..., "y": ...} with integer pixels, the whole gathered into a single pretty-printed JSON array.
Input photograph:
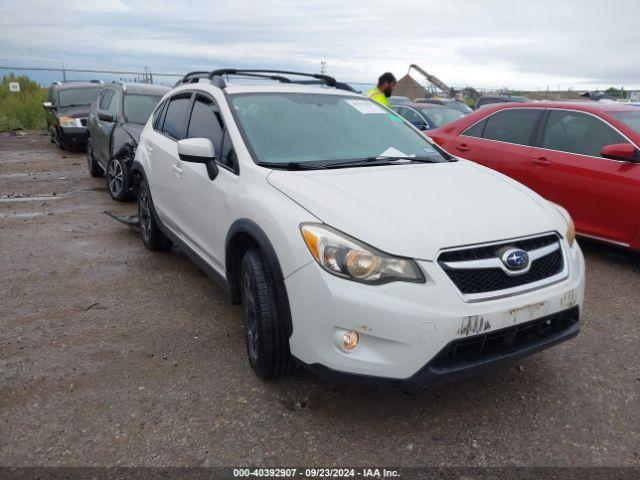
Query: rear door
[
  {"x": 501, "y": 141},
  {"x": 163, "y": 170},
  {"x": 566, "y": 168}
]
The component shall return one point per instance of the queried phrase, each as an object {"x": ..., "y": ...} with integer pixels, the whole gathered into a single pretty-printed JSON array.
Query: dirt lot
[{"x": 113, "y": 355}]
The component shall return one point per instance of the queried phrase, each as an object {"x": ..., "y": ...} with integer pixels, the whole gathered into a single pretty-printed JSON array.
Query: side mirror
[
  {"x": 47, "y": 105},
  {"x": 105, "y": 116},
  {"x": 621, "y": 151},
  {"x": 199, "y": 150}
]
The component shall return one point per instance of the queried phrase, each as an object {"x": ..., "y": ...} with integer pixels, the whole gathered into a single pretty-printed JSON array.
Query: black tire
[
  {"x": 150, "y": 233},
  {"x": 118, "y": 181},
  {"x": 59, "y": 139},
  {"x": 94, "y": 168},
  {"x": 266, "y": 338}
]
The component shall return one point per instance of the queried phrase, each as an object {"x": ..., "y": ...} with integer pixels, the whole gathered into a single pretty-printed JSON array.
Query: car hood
[
  {"x": 74, "y": 112},
  {"x": 416, "y": 210},
  {"x": 133, "y": 129}
]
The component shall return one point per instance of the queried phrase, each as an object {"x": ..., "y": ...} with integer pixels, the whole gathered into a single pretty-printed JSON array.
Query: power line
[{"x": 89, "y": 70}]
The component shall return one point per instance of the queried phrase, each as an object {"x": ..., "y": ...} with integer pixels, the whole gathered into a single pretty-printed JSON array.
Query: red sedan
[{"x": 583, "y": 156}]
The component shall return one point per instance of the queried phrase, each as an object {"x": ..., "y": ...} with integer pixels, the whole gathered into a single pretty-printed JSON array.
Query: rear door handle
[
  {"x": 177, "y": 170},
  {"x": 541, "y": 161},
  {"x": 463, "y": 147}
]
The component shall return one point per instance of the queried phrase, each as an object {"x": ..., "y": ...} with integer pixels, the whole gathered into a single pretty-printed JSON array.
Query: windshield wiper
[
  {"x": 382, "y": 160},
  {"x": 292, "y": 165}
]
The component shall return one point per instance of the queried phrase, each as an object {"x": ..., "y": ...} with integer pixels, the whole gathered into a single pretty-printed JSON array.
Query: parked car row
[
  {"x": 581, "y": 155},
  {"x": 106, "y": 119},
  {"x": 356, "y": 246}
]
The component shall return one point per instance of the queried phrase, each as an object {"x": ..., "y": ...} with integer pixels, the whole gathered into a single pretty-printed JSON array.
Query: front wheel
[
  {"x": 266, "y": 338},
  {"x": 118, "y": 180}
]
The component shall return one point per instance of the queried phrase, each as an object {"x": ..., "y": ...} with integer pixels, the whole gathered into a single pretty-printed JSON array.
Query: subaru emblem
[{"x": 515, "y": 259}]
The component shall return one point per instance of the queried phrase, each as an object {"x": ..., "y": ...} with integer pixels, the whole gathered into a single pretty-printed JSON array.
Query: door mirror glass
[
  {"x": 47, "y": 105},
  {"x": 105, "y": 116},
  {"x": 621, "y": 151}
]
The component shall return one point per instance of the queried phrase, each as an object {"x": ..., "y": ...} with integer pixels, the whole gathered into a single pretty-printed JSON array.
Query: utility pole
[{"x": 323, "y": 67}]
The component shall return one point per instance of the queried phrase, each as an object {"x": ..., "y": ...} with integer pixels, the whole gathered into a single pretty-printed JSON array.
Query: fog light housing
[{"x": 350, "y": 340}]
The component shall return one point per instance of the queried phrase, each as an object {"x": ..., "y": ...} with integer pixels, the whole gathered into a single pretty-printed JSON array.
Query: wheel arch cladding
[{"x": 243, "y": 235}]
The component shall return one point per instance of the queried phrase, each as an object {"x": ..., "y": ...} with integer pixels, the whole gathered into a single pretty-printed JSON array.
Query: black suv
[
  {"x": 115, "y": 123},
  {"x": 66, "y": 111}
]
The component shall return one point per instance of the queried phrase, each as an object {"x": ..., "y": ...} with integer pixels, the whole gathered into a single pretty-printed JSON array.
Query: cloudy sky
[{"x": 484, "y": 43}]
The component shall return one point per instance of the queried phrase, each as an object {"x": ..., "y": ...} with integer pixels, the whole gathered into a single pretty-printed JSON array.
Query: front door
[
  {"x": 567, "y": 169},
  {"x": 204, "y": 205},
  {"x": 101, "y": 141},
  {"x": 502, "y": 141}
]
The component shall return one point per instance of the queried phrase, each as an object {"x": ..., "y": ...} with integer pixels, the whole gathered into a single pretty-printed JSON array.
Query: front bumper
[
  {"x": 74, "y": 136},
  {"x": 404, "y": 326}
]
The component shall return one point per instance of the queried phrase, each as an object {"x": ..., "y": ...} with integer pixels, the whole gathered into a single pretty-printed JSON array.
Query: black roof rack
[
  {"x": 192, "y": 77},
  {"x": 277, "y": 75}
]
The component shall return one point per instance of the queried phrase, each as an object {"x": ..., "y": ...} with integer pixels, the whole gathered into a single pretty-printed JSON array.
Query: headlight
[
  {"x": 346, "y": 257},
  {"x": 68, "y": 122},
  {"x": 571, "y": 228}
]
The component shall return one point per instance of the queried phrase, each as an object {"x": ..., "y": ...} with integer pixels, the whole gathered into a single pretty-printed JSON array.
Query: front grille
[
  {"x": 488, "y": 251},
  {"x": 477, "y": 280},
  {"x": 502, "y": 342},
  {"x": 493, "y": 279}
]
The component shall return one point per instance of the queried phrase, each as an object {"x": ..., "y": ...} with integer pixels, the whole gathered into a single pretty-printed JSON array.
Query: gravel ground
[{"x": 113, "y": 355}]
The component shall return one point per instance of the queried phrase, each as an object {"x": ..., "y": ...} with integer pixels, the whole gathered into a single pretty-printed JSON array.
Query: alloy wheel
[
  {"x": 144, "y": 216},
  {"x": 115, "y": 177}
]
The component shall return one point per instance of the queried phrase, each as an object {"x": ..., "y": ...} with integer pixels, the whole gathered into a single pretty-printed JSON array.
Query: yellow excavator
[{"x": 436, "y": 83}]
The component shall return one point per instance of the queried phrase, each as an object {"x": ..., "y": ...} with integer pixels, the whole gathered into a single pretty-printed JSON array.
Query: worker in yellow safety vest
[{"x": 381, "y": 94}]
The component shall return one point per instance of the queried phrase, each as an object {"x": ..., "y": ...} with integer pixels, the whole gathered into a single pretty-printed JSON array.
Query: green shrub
[{"x": 22, "y": 109}]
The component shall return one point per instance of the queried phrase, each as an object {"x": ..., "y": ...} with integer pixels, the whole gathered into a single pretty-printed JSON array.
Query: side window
[
  {"x": 105, "y": 98},
  {"x": 175, "y": 116},
  {"x": 412, "y": 117},
  {"x": 512, "y": 126},
  {"x": 576, "y": 132},
  {"x": 205, "y": 122},
  {"x": 113, "y": 104},
  {"x": 157, "y": 114},
  {"x": 159, "y": 121},
  {"x": 475, "y": 130}
]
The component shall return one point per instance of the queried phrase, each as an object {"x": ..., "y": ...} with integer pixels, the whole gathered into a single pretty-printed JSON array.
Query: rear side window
[
  {"x": 105, "y": 98},
  {"x": 175, "y": 117},
  {"x": 475, "y": 130},
  {"x": 412, "y": 116},
  {"x": 205, "y": 122},
  {"x": 158, "y": 116},
  {"x": 512, "y": 126},
  {"x": 113, "y": 104},
  {"x": 576, "y": 132}
]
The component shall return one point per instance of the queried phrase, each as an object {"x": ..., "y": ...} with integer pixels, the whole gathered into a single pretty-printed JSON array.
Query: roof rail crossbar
[{"x": 326, "y": 79}]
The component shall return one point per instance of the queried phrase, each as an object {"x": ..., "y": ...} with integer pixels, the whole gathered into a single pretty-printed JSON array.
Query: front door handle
[
  {"x": 177, "y": 170},
  {"x": 541, "y": 161},
  {"x": 463, "y": 147}
]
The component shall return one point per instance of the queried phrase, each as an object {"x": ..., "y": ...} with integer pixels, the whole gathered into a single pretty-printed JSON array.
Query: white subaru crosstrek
[{"x": 356, "y": 246}]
